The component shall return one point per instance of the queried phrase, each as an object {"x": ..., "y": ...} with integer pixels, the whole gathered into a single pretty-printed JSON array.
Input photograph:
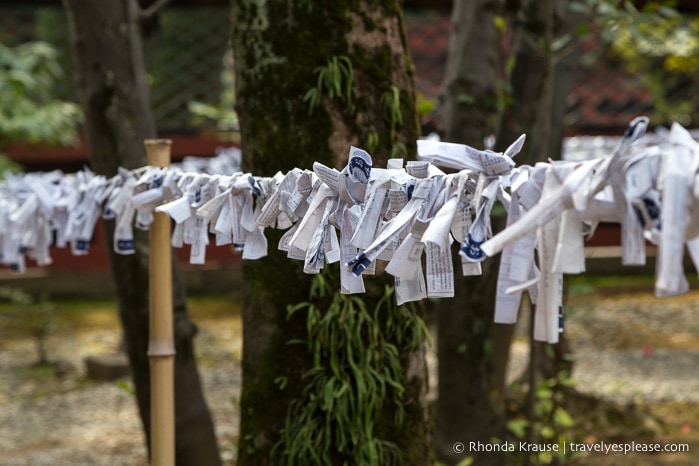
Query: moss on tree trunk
[{"x": 280, "y": 46}]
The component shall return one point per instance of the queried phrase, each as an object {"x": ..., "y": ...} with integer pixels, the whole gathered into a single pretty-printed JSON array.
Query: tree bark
[
  {"x": 539, "y": 90},
  {"x": 468, "y": 407},
  {"x": 469, "y": 344},
  {"x": 565, "y": 63},
  {"x": 111, "y": 77},
  {"x": 278, "y": 47},
  {"x": 531, "y": 82},
  {"x": 469, "y": 98},
  {"x": 541, "y": 80}
]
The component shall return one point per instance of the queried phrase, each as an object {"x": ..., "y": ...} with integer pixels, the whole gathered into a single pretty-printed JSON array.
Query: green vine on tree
[
  {"x": 391, "y": 103},
  {"x": 335, "y": 79},
  {"x": 356, "y": 373},
  {"x": 373, "y": 141}
]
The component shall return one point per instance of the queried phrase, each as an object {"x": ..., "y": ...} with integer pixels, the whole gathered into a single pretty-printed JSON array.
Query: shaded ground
[
  {"x": 69, "y": 420},
  {"x": 640, "y": 354},
  {"x": 635, "y": 353}
]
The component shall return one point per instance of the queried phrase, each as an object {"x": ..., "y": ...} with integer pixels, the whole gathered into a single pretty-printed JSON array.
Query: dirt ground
[
  {"x": 54, "y": 415},
  {"x": 632, "y": 351},
  {"x": 639, "y": 355}
]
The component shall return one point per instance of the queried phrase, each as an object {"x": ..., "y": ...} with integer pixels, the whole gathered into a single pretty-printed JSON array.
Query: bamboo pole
[{"x": 161, "y": 347}]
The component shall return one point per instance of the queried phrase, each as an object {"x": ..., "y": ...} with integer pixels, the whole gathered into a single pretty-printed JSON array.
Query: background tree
[
  {"x": 466, "y": 406},
  {"x": 111, "y": 78},
  {"x": 481, "y": 99},
  {"x": 313, "y": 78},
  {"x": 533, "y": 111}
]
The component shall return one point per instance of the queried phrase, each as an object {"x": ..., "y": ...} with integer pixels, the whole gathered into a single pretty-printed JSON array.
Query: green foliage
[
  {"x": 373, "y": 142},
  {"x": 425, "y": 106},
  {"x": 223, "y": 112},
  {"x": 655, "y": 42},
  {"x": 393, "y": 116},
  {"x": 623, "y": 14},
  {"x": 356, "y": 376},
  {"x": 580, "y": 288},
  {"x": 125, "y": 385},
  {"x": 335, "y": 79},
  {"x": 28, "y": 110},
  {"x": 551, "y": 423},
  {"x": 391, "y": 103},
  {"x": 468, "y": 461},
  {"x": 497, "y": 103},
  {"x": 225, "y": 117}
]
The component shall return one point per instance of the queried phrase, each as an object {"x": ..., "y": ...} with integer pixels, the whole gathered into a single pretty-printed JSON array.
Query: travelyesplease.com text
[{"x": 572, "y": 447}]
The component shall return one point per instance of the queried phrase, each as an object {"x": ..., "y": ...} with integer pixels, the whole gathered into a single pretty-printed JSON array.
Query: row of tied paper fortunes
[
  {"x": 391, "y": 214},
  {"x": 41, "y": 209},
  {"x": 652, "y": 192},
  {"x": 36, "y": 207}
]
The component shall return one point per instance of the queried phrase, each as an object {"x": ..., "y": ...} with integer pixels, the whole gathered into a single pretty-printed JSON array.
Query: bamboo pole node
[{"x": 161, "y": 345}]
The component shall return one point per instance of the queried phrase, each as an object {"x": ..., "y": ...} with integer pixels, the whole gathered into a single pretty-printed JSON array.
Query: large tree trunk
[
  {"x": 565, "y": 62},
  {"x": 469, "y": 407},
  {"x": 537, "y": 109},
  {"x": 111, "y": 77},
  {"x": 471, "y": 374},
  {"x": 537, "y": 106},
  {"x": 278, "y": 47},
  {"x": 541, "y": 81}
]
